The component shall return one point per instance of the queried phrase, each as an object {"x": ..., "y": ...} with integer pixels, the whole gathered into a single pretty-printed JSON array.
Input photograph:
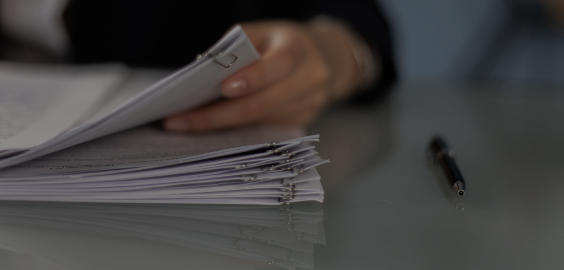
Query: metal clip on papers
[
  {"x": 216, "y": 58},
  {"x": 286, "y": 198}
]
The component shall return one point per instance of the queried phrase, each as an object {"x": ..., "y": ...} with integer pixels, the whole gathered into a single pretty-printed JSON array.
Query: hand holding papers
[
  {"x": 146, "y": 164},
  {"x": 187, "y": 88}
]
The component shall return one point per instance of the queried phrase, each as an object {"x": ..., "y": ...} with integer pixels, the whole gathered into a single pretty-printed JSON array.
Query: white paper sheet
[
  {"x": 54, "y": 152},
  {"x": 37, "y": 104}
]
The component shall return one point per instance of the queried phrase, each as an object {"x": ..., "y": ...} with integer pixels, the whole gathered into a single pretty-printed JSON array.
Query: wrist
[
  {"x": 338, "y": 50},
  {"x": 366, "y": 60}
]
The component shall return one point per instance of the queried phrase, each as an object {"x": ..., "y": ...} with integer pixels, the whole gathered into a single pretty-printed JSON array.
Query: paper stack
[{"x": 44, "y": 110}]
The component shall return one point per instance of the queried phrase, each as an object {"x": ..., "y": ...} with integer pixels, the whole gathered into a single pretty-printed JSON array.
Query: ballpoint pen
[{"x": 440, "y": 152}]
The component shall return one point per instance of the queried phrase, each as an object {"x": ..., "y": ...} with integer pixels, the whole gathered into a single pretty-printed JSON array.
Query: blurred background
[{"x": 480, "y": 41}]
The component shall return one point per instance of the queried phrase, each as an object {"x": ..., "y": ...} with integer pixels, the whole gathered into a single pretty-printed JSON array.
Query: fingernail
[
  {"x": 235, "y": 89},
  {"x": 177, "y": 124}
]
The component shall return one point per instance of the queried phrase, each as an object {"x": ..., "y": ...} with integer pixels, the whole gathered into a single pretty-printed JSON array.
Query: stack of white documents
[{"x": 52, "y": 146}]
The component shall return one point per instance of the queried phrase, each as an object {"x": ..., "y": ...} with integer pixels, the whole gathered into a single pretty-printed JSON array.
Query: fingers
[
  {"x": 287, "y": 85},
  {"x": 276, "y": 64},
  {"x": 242, "y": 111},
  {"x": 227, "y": 113},
  {"x": 258, "y": 35},
  {"x": 222, "y": 114}
]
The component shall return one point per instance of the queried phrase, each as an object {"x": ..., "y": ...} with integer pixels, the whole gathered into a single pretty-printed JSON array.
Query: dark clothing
[{"x": 169, "y": 33}]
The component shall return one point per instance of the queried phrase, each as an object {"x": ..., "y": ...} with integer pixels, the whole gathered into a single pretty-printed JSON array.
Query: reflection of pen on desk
[{"x": 441, "y": 153}]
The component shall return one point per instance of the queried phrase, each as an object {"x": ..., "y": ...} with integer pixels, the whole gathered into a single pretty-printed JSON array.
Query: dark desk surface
[{"x": 386, "y": 206}]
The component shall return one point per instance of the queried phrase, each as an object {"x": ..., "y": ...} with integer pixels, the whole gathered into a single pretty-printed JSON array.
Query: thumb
[{"x": 258, "y": 35}]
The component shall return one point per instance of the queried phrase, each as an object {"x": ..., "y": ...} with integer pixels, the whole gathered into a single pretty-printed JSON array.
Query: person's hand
[{"x": 302, "y": 69}]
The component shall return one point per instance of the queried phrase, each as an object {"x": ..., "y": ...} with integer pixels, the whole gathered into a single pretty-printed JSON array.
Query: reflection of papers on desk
[
  {"x": 46, "y": 109},
  {"x": 280, "y": 235}
]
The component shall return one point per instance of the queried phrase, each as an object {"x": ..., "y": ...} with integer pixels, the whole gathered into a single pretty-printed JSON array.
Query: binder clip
[
  {"x": 271, "y": 144},
  {"x": 216, "y": 58},
  {"x": 290, "y": 189},
  {"x": 253, "y": 177},
  {"x": 287, "y": 198}
]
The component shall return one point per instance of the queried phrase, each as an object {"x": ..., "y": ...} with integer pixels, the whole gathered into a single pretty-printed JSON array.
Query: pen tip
[{"x": 459, "y": 187}]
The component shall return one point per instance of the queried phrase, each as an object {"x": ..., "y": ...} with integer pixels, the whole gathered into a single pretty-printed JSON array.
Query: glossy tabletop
[{"x": 386, "y": 205}]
